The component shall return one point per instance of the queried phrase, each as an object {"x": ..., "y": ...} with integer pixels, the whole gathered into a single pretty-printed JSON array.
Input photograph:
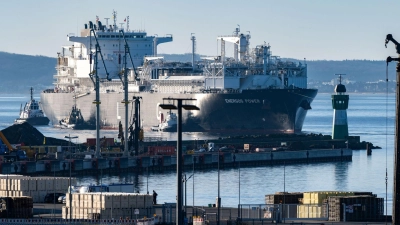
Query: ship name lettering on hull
[{"x": 242, "y": 100}]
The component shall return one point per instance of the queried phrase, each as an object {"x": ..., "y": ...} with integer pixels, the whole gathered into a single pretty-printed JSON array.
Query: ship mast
[
  {"x": 31, "y": 93},
  {"x": 115, "y": 19},
  {"x": 193, "y": 49}
]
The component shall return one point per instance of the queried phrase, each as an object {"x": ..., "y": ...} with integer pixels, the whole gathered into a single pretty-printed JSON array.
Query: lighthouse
[{"x": 340, "y": 103}]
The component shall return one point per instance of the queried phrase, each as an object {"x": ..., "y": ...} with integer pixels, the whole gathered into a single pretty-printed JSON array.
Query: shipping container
[
  {"x": 104, "y": 142},
  {"x": 161, "y": 150}
]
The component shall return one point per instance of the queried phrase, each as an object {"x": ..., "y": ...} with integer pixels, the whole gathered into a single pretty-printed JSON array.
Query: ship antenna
[
  {"x": 127, "y": 23},
  {"x": 115, "y": 18},
  {"x": 31, "y": 93},
  {"x": 155, "y": 45},
  {"x": 193, "y": 49},
  {"x": 340, "y": 77},
  {"x": 107, "y": 21}
]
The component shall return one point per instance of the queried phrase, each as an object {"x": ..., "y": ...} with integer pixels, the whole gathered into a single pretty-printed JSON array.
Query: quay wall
[{"x": 167, "y": 162}]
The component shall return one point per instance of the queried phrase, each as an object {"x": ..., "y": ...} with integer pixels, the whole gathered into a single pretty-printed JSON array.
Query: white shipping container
[
  {"x": 116, "y": 197},
  {"x": 40, "y": 185},
  {"x": 124, "y": 198},
  {"x": 149, "y": 201},
  {"x": 23, "y": 185},
  {"x": 124, "y": 204},
  {"x": 50, "y": 185},
  {"x": 24, "y": 193},
  {"x": 132, "y": 200},
  {"x": 140, "y": 201},
  {"x": 32, "y": 184}
]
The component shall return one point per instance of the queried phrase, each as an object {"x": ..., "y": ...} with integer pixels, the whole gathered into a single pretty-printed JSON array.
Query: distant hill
[
  {"x": 355, "y": 70},
  {"x": 19, "y": 72}
]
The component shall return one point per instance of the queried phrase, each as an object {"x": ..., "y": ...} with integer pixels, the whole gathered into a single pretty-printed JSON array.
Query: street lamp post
[
  {"x": 170, "y": 106},
  {"x": 239, "y": 194},
  {"x": 70, "y": 184},
  {"x": 54, "y": 194},
  {"x": 147, "y": 178},
  {"x": 185, "y": 181},
  {"x": 8, "y": 204},
  {"x": 284, "y": 190},
  {"x": 219, "y": 198},
  {"x": 194, "y": 160}
]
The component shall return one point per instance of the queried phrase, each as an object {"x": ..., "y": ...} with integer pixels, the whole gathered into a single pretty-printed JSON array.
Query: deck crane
[
  {"x": 96, "y": 82},
  {"x": 126, "y": 101}
]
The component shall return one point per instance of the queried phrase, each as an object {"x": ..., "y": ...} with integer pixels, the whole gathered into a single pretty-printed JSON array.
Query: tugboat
[
  {"x": 32, "y": 113},
  {"x": 169, "y": 124},
  {"x": 75, "y": 121}
]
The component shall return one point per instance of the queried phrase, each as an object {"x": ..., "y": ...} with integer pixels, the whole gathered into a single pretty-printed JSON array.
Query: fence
[
  {"x": 149, "y": 221},
  {"x": 280, "y": 212}
]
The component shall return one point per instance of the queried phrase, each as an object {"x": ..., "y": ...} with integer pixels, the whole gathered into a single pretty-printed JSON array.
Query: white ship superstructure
[{"x": 76, "y": 62}]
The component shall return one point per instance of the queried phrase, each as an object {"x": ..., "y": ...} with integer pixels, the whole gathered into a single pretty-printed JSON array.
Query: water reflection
[{"x": 341, "y": 175}]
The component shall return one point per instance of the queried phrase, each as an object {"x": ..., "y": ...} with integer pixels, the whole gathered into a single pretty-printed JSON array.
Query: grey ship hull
[{"x": 249, "y": 112}]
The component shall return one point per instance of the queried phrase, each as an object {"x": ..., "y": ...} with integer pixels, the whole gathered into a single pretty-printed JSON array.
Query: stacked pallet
[
  {"x": 36, "y": 187},
  {"x": 16, "y": 207},
  {"x": 359, "y": 208},
  {"x": 107, "y": 205}
]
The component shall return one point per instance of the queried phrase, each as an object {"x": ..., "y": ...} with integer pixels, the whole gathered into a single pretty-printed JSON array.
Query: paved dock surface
[{"x": 227, "y": 215}]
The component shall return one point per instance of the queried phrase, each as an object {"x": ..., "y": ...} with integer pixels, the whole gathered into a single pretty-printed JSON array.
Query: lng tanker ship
[{"x": 251, "y": 92}]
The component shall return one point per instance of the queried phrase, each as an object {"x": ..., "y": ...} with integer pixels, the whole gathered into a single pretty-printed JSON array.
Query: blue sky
[{"x": 311, "y": 29}]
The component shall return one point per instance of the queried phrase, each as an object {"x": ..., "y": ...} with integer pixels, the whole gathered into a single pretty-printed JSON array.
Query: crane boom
[{"x": 5, "y": 141}]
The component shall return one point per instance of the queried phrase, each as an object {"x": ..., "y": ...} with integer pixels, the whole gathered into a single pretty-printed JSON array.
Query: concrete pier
[{"x": 163, "y": 162}]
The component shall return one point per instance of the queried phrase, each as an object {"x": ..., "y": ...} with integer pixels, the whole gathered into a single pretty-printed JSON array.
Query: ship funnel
[
  {"x": 85, "y": 25},
  {"x": 90, "y": 24},
  {"x": 100, "y": 25},
  {"x": 94, "y": 27}
]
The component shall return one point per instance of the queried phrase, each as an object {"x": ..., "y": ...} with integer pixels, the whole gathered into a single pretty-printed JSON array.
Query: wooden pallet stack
[
  {"x": 107, "y": 205},
  {"x": 315, "y": 203},
  {"x": 35, "y": 187}
]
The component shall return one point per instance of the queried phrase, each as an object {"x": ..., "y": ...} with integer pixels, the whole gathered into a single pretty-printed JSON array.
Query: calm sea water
[{"x": 370, "y": 116}]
